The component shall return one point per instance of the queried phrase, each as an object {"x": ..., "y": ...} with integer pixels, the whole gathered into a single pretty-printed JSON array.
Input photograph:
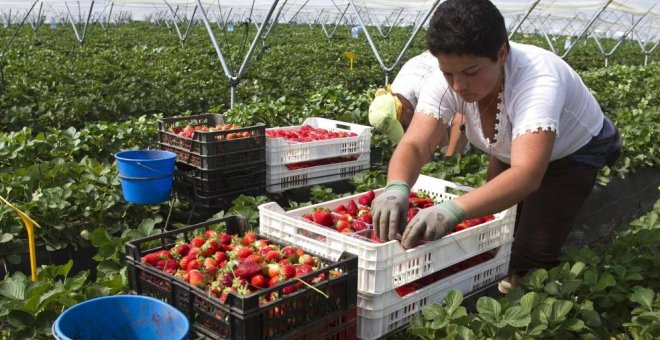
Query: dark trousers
[{"x": 545, "y": 217}]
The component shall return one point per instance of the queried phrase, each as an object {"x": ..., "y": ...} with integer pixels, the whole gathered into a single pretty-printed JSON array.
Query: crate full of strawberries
[
  {"x": 239, "y": 285},
  {"x": 207, "y": 141},
  {"x": 317, "y": 138},
  {"x": 345, "y": 224}
]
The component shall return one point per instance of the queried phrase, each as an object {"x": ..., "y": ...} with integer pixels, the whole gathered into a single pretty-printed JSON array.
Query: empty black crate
[
  {"x": 243, "y": 317},
  {"x": 222, "y": 161},
  {"x": 210, "y": 143},
  {"x": 213, "y": 182}
]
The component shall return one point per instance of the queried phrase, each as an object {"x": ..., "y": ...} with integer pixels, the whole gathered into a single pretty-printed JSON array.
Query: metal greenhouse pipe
[
  {"x": 386, "y": 69},
  {"x": 586, "y": 29},
  {"x": 234, "y": 79},
  {"x": 531, "y": 8}
]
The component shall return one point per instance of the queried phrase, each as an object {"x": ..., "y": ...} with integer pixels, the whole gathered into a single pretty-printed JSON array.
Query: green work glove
[
  {"x": 389, "y": 210},
  {"x": 432, "y": 223}
]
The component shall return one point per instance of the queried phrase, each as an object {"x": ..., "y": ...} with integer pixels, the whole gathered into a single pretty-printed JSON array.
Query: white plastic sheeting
[{"x": 554, "y": 17}]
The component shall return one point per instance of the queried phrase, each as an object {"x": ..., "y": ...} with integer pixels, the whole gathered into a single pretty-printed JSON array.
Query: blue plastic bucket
[
  {"x": 126, "y": 317},
  {"x": 146, "y": 175}
]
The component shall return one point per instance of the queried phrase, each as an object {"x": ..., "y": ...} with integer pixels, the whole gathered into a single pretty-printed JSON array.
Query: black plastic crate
[
  {"x": 215, "y": 182},
  {"x": 210, "y": 143},
  {"x": 185, "y": 190},
  {"x": 242, "y": 317},
  {"x": 222, "y": 161}
]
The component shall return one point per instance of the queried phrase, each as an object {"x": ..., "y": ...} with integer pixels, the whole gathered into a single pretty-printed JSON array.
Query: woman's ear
[{"x": 502, "y": 54}]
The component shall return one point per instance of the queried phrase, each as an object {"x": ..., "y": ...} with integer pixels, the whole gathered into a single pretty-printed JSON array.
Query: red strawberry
[
  {"x": 323, "y": 217},
  {"x": 273, "y": 269},
  {"x": 374, "y": 237},
  {"x": 221, "y": 257},
  {"x": 170, "y": 266},
  {"x": 151, "y": 259},
  {"x": 365, "y": 216},
  {"x": 246, "y": 269},
  {"x": 365, "y": 199},
  {"x": 185, "y": 260},
  {"x": 226, "y": 280},
  {"x": 192, "y": 265},
  {"x": 244, "y": 252},
  {"x": 259, "y": 281},
  {"x": 343, "y": 225},
  {"x": 340, "y": 209},
  {"x": 303, "y": 270},
  {"x": 256, "y": 258},
  {"x": 210, "y": 247},
  {"x": 411, "y": 213},
  {"x": 272, "y": 256},
  {"x": 352, "y": 208},
  {"x": 289, "y": 271},
  {"x": 404, "y": 290},
  {"x": 210, "y": 234},
  {"x": 225, "y": 239},
  {"x": 359, "y": 226},
  {"x": 308, "y": 217},
  {"x": 196, "y": 278},
  {"x": 180, "y": 250},
  {"x": 274, "y": 281},
  {"x": 197, "y": 242},
  {"x": 210, "y": 265},
  {"x": 474, "y": 222},
  {"x": 289, "y": 289},
  {"x": 288, "y": 251},
  {"x": 249, "y": 238}
]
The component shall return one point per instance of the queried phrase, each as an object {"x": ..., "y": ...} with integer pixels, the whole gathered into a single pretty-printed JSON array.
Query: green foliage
[{"x": 594, "y": 294}]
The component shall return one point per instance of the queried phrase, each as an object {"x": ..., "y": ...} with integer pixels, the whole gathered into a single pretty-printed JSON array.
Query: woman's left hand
[{"x": 432, "y": 223}]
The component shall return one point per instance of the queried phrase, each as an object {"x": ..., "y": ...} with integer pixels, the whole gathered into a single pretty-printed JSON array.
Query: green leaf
[
  {"x": 537, "y": 279},
  {"x": 65, "y": 268},
  {"x": 643, "y": 296},
  {"x": 20, "y": 319},
  {"x": 517, "y": 316},
  {"x": 577, "y": 268},
  {"x": 32, "y": 305},
  {"x": 569, "y": 286},
  {"x": 560, "y": 309},
  {"x": 605, "y": 280},
  {"x": 45, "y": 321},
  {"x": 574, "y": 325},
  {"x": 552, "y": 288},
  {"x": 591, "y": 318},
  {"x": 434, "y": 311},
  {"x": 489, "y": 309},
  {"x": 6, "y": 237},
  {"x": 453, "y": 300},
  {"x": 590, "y": 277},
  {"x": 14, "y": 287},
  {"x": 528, "y": 301}
]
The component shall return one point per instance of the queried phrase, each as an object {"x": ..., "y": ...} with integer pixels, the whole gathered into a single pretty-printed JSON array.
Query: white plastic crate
[
  {"x": 379, "y": 315},
  {"x": 279, "y": 151},
  {"x": 279, "y": 178},
  {"x": 384, "y": 266}
]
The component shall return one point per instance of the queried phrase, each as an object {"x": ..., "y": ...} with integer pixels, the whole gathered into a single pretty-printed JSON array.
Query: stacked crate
[
  {"x": 214, "y": 167},
  {"x": 293, "y": 162},
  {"x": 252, "y": 316},
  {"x": 466, "y": 260}
]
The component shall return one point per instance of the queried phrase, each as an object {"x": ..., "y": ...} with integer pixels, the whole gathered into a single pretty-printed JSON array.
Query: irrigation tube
[
  {"x": 234, "y": 79},
  {"x": 386, "y": 69}
]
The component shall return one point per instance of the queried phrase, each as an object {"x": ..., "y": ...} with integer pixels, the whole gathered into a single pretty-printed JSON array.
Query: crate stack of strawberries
[
  {"x": 216, "y": 160},
  {"x": 315, "y": 152}
]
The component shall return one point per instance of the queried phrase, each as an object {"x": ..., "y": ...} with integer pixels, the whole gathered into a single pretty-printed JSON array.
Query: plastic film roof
[{"x": 611, "y": 18}]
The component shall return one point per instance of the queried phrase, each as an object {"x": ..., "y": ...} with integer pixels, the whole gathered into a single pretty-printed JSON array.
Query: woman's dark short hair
[{"x": 467, "y": 27}]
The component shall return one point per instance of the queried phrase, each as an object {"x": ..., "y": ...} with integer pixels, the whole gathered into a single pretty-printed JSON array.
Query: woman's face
[{"x": 473, "y": 78}]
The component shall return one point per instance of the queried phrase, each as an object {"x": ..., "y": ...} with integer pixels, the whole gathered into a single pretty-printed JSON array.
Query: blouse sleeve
[
  {"x": 436, "y": 99},
  {"x": 537, "y": 102}
]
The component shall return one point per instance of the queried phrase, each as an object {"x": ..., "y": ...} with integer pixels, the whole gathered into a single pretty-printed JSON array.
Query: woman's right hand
[{"x": 389, "y": 211}]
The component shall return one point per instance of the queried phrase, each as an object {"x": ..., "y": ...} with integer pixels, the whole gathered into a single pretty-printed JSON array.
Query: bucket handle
[{"x": 162, "y": 174}]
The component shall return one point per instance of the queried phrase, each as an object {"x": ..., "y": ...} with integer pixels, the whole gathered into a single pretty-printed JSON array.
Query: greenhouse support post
[{"x": 531, "y": 8}]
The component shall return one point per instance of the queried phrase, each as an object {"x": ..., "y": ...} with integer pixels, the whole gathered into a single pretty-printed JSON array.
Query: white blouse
[{"x": 541, "y": 92}]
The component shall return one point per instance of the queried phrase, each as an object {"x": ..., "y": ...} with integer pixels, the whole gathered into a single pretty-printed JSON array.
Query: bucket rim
[
  {"x": 120, "y": 155},
  {"x": 56, "y": 325}
]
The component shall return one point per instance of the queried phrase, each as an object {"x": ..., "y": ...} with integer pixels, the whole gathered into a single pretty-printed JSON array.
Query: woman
[
  {"x": 391, "y": 111},
  {"x": 545, "y": 133}
]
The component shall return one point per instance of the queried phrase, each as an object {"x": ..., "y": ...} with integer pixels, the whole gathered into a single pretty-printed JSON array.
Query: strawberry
[
  {"x": 288, "y": 251},
  {"x": 272, "y": 256},
  {"x": 192, "y": 265},
  {"x": 352, "y": 208},
  {"x": 263, "y": 251},
  {"x": 273, "y": 269},
  {"x": 196, "y": 278},
  {"x": 256, "y": 258},
  {"x": 220, "y": 257},
  {"x": 210, "y": 265},
  {"x": 365, "y": 216},
  {"x": 274, "y": 281},
  {"x": 359, "y": 226},
  {"x": 411, "y": 213},
  {"x": 306, "y": 260},
  {"x": 210, "y": 234},
  {"x": 289, "y": 289},
  {"x": 225, "y": 239},
  {"x": 210, "y": 247},
  {"x": 374, "y": 237},
  {"x": 180, "y": 250},
  {"x": 343, "y": 225},
  {"x": 244, "y": 252},
  {"x": 226, "y": 280},
  {"x": 197, "y": 242},
  {"x": 289, "y": 271},
  {"x": 308, "y": 217},
  {"x": 259, "y": 281},
  {"x": 303, "y": 270},
  {"x": 474, "y": 222},
  {"x": 151, "y": 259},
  {"x": 249, "y": 238},
  {"x": 404, "y": 290},
  {"x": 323, "y": 217},
  {"x": 340, "y": 209},
  {"x": 170, "y": 266},
  {"x": 246, "y": 269},
  {"x": 185, "y": 260}
]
